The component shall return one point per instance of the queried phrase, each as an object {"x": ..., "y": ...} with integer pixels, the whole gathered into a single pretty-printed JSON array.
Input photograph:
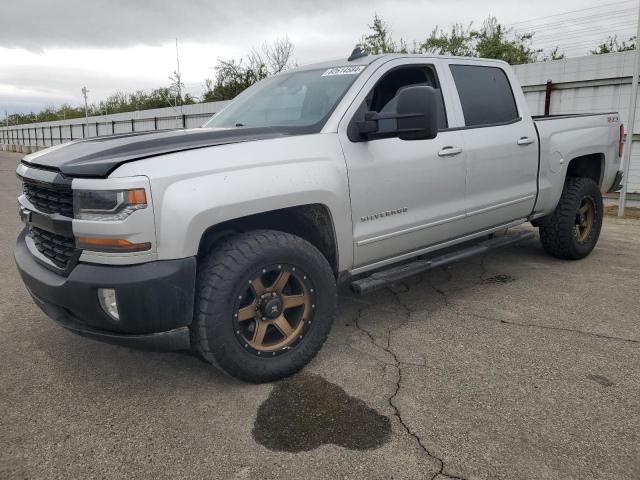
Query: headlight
[{"x": 109, "y": 205}]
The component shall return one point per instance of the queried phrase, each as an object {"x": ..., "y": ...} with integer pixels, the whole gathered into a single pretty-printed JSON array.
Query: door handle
[
  {"x": 449, "y": 151},
  {"x": 526, "y": 141}
]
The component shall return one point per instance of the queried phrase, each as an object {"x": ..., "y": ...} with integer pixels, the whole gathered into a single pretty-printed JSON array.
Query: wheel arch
[
  {"x": 586, "y": 165},
  {"x": 312, "y": 222},
  {"x": 591, "y": 166}
]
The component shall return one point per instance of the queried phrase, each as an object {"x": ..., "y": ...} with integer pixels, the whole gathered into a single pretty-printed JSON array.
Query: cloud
[
  {"x": 39, "y": 24},
  {"x": 50, "y": 49}
]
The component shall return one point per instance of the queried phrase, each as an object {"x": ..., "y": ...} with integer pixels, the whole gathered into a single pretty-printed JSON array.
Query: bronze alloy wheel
[
  {"x": 265, "y": 303},
  {"x": 572, "y": 230},
  {"x": 585, "y": 218},
  {"x": 275, "y": 311}
]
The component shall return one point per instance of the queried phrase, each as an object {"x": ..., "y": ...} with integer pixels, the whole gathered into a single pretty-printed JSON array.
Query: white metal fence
[{"x": 47, "y": 134}]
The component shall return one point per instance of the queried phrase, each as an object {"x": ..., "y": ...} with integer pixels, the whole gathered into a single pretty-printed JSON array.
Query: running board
[{"x": 382, "y": 278}]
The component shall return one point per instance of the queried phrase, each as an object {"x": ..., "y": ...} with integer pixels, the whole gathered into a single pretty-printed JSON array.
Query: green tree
[
  {"x": 116, "y": 103},
  {"x": 493, "y": 40},
  {"x": 232, "y": 77},
  {"x": 380, "y": 39},
  {"x": 209, "y": 86},
  {"x": 176, "y": 91},
  {"x": 611, "y": 45},
  {"x": 554, "y": 54},
  {"x": 121, "y": 102},
  {"x": 458, "y": 41}
]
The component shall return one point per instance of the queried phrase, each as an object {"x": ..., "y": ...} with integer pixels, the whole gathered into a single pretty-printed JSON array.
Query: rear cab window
[{"x": 485, "y": 94}]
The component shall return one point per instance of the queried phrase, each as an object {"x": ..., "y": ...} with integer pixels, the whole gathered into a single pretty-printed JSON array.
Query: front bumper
[{"x": 155, "y": 299}]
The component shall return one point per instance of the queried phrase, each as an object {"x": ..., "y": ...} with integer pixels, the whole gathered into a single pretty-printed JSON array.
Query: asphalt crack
[
  {"x": 481, "y": 278},
  {"x": 557, "y": 329},
  {"x": 398, "y": 365},
  {"x": 443, "y": 293}
]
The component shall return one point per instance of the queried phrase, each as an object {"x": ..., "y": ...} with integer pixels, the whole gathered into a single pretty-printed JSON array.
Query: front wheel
[
  {"x": 264, "y": 305},
  {"x": 573, "y": 229}
]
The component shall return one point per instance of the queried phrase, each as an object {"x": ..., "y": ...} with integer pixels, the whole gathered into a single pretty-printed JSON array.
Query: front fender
[{"x": 195, "y": 190}]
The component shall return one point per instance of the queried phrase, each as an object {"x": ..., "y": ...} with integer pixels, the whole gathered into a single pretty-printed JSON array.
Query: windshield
[{"x": 298, "y": 101}]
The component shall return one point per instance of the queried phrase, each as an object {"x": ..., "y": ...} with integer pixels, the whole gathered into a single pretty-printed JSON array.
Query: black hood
[{"x": 98, "y": 157}]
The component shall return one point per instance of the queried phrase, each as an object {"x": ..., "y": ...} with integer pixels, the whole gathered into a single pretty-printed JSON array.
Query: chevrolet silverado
[{"x": 230, "y": 239}]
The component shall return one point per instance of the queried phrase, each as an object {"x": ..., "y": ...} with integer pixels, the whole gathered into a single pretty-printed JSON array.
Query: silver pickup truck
[{"x": 230, "y": 239}]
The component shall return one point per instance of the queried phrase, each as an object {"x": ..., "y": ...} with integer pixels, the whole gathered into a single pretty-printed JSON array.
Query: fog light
[{"x": 107, "y": 297}]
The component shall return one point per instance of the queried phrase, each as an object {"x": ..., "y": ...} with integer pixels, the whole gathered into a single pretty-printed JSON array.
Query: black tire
[
  {"x": 223, "y": 275},
  {"x": 558, "y": 233}
]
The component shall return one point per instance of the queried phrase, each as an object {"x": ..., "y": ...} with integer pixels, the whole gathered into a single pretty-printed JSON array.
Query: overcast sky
[{"x": 50, "y": 49}]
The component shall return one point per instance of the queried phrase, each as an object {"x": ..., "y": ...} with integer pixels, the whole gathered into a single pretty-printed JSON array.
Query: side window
[
  {"x": 383, "y": 97},
  {"x": 485, "y": 95}
]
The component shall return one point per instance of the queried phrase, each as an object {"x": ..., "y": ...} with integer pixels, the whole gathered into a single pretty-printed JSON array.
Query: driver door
[{"x": 405, "y": 194}]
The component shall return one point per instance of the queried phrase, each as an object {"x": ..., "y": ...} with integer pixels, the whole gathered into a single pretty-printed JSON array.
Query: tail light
[{"x": 621, "y": 144}]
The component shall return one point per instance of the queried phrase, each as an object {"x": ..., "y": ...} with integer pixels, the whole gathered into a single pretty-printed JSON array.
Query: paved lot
[{"x": 513, "y": 366}]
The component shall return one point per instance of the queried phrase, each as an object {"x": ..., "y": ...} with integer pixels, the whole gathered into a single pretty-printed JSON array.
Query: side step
[{"x": 382, "y": 278}]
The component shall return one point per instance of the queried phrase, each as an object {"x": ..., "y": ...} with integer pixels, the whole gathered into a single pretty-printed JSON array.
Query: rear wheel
[
  {"x": 573, "y": 229},
  {"x": 264, "y": 305}
]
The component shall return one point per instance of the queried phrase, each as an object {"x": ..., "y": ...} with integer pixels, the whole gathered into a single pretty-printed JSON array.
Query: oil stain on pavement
[{"x": 305, "y": 411}]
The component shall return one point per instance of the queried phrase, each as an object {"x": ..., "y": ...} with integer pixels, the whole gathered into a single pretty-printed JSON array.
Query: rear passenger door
[{"x": 501, "y": 145}]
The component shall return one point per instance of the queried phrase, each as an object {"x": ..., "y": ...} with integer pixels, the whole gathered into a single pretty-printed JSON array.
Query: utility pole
[
  {"x": 86, "y": 106},
  {"x": 176, "y": 87},
  {"x": 630, "y": 123},
  {"x": 178, "y": 77},
  {"x": 178, "y": 64}
]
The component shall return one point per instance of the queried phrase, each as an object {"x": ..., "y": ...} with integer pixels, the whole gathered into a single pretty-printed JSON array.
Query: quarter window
[{"x": 485, "y": 95}]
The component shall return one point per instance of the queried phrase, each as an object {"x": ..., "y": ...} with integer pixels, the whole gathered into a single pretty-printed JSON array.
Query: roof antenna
[{"x": 357, "y": 53}]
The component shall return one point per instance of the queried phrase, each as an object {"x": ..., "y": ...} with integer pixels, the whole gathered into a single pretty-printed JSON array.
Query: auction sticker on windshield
[{"x": 350, "y": 70}]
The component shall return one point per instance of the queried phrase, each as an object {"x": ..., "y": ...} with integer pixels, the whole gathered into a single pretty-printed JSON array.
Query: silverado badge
[{"x": 388, "y": 213}]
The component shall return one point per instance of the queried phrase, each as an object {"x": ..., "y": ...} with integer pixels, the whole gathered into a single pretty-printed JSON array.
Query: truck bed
[{"x": 567, "y": 137}]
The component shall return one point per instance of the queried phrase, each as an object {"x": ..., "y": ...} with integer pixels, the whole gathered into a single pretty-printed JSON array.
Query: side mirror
[
  {"x": 369, "y": 125},
  {"x": 417, "y": 113},
  {"x": 416, "y": 116}
]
